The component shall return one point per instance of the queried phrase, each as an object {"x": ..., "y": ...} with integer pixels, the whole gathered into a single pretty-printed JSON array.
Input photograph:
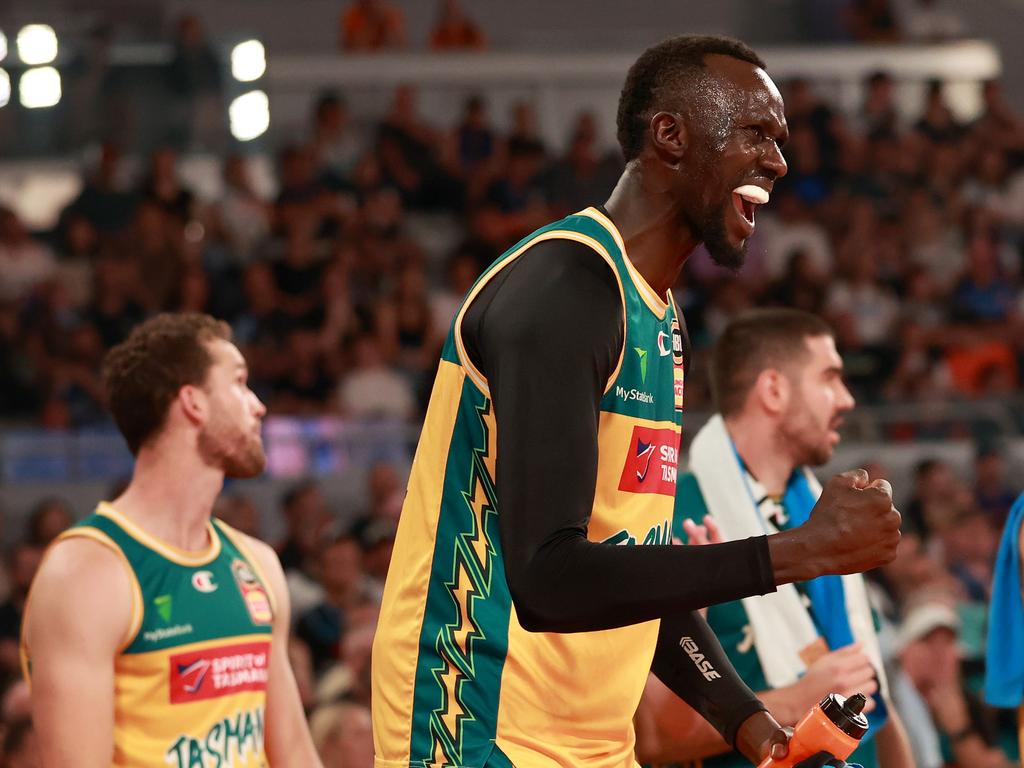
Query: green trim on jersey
[{"x": 489, "y": 605}]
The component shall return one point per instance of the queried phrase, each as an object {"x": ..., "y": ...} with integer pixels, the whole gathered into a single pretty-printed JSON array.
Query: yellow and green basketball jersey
[
  {"x": 456, "y": 680},
  {"x": 190, "y": 681}
]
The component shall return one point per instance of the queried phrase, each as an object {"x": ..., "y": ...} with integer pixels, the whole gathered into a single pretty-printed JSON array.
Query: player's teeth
[{"x": 753, "y": 193}]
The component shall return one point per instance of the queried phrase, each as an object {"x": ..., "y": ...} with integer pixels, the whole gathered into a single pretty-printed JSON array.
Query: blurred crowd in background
[{"x": 908, "y": 236}]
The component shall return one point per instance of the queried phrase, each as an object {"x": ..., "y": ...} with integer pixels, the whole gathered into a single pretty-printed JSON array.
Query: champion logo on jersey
[
  {"x": 203, "y": 581},
  {"x": 664, "y": 344},
  {"x": 651, "y": 461}
]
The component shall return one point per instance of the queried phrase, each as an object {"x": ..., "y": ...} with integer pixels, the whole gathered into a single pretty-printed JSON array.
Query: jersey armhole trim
[
  {"x": 654, "y": 302},
  {"x": 237, "y": 538},
  {"x": 138, "y": 607},
  {"x": 474, "y": 374}
]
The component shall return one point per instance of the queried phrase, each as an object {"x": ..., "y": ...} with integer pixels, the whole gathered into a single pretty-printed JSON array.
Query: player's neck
[
  {"x": 757, "y": 445},
  {"x": 171, "y": 495},
  {"x": 648, "y": 218}
]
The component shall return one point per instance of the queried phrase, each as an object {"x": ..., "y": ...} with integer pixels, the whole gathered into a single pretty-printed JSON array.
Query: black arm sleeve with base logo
[
  {"x": 690, "y": 661},
  {"x": 546, "y": 332}
]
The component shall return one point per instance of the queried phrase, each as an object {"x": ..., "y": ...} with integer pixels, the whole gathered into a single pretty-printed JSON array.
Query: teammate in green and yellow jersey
[{"x": 155, "y": 635}]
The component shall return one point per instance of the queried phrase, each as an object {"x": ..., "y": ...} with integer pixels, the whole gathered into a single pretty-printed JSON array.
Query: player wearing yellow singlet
[{"x": 153, "y": 635}]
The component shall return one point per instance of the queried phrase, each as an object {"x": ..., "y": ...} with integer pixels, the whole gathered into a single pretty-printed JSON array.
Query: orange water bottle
[{"x": 835, "y": 725}]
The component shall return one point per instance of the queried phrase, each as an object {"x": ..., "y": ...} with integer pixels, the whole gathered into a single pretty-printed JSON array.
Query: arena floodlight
[
  {"x": 39, "y": 87},
  {"x": 5, "y": 88},
  {"x": 249, "y": 115},
  {"x": 37, "y": 44},
  {"x": 3, "y": 45},
  {"x": 248, "y": 61}
]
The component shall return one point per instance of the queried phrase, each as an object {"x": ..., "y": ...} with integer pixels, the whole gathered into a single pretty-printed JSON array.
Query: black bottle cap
[{"x": 846, "y": 714}]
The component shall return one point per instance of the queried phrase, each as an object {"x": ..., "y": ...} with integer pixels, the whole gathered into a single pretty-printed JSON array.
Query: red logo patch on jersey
[
  {"x": 219, "y": 671},
  {"x": 254, "y": 594},
  {"x": 679, "y": 376},
  {"x": 652, "y": 461}
]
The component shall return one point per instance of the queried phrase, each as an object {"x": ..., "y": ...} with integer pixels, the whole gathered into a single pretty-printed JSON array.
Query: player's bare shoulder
[{"x": 83, "y": 585}]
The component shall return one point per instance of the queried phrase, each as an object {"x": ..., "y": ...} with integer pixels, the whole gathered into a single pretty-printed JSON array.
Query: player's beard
[
  {"x": 237, "y": 452},
  {"x": 710, "y": 229},
  {"x": 805, "y": 440}
]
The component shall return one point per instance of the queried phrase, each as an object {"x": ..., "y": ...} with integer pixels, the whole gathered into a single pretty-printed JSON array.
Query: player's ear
[
  {"x": 772, "y": 390},
  {"x": 193, "y": 403},
  {"x": 669, "y": 137}
]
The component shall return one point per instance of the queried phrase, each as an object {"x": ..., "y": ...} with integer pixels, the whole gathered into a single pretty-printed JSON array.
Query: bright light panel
[
  {"x": 248, "y": 61},
  {"x": 5, "y": 88},
  {"x": 3, "y": 46},
  {"x": 37, "y": 44},
  {"x": 249, "y": 115},
  {"x": 39, "y": 87}
]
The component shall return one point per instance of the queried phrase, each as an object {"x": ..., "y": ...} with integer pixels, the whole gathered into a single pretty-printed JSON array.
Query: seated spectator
[
  {"x": 583, "y": 177},
  {"x": 242, "y": 215},
  {"x": 343, "y": 735},
  {"x": 878, "y": 114},
  {"x": 238, "y": 511},
  {"x": 930, "y": 693},
  {"x": 872, "y": 21},
  {"x": 104, "y": 201},
  {"x": 992, "y": 492},
  {"x": 346, "y": 601},
  {"x": 475, "y": 137},
  {"x": 409, "y": 151},
  {"x": 306, "y": 383},
  {"x": 523, "y": 134},
  {"x": 446, "y": 299},
  {"x": 115, "y": 310},
  {"x": 24, "y": 262},
  {"x": 801, "y": 286},
  {"x": 335, "y": 144},
  {"x": 932, "y": 21},
  {"x": 999, "y": 125},
  {"x": 307, "y": 520},
  {"x": 937, "y": 123},
  {"x": 22, "y": 564},
  {"x": 371, "y": 389},
  {"x": 454, "y": 30},
  {"x": 983, "y": 295},
  {"x": 790, "y": 228},
  {"x": 968, "y": 541},
  {"x": 371, "y": 25},
  {"x": 194, "y": 76},
  {"x": 163, "y": 186}
]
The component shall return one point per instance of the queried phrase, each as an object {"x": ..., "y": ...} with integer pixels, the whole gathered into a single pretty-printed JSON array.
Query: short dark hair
[
  {"x": 143, "y": 374},
  {"x": 753, "y": 342},
  {"x": 668, "y": 67}
]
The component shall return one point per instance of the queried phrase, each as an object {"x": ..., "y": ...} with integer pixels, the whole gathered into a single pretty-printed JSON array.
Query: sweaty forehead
[{"x": 745, "y": 90}]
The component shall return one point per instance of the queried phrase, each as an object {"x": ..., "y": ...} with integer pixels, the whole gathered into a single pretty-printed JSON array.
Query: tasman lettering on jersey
[
  {"x": 651, "y": 462},
  {"x": 233, "y": 737}
]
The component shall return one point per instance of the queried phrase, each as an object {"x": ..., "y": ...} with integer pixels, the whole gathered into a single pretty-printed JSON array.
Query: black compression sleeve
[
  {"x": 547, "y": 332},
  {"x": 690, "y": 661}
]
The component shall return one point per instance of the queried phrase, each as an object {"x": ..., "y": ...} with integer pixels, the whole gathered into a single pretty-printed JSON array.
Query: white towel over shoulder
[{"x": 780, "y": 623}]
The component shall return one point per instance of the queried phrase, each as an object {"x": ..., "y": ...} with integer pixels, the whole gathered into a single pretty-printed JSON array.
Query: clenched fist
[{"x": 854, "y": 527}]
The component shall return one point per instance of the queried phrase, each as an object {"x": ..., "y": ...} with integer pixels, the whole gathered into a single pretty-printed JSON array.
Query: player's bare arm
[
  {"x": 289, "y": 744},
  {"x": 80, "y": 613}
]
